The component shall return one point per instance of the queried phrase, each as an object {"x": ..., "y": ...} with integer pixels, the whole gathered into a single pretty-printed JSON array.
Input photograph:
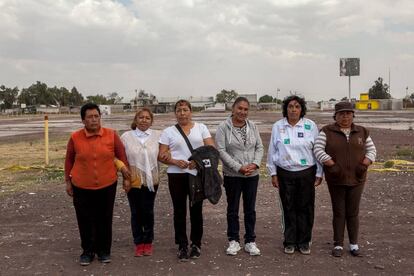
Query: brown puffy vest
[{"x": 347, "y": 155}]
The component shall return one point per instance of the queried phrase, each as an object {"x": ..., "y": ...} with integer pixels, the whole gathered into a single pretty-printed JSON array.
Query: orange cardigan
[{"x": 90, "y": 158}]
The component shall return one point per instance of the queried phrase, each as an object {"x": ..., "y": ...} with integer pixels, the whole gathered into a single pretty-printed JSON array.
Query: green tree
[
  {"x": 114, "y": 98},
  {"x": 266, "y": 99},
  {"x": 226, "y": 96},
  {"x": 142, "y": 94},
  {"x": 344, "y": 99},
  {"x": 37, "y": 93},
  {"x": 75, "y": 98},
  {"x": 98, "y": 99},
  {"x": 8, "y": 96},
  {"x": 332, "y": 99},
  {"x": 379, "y": 90}
]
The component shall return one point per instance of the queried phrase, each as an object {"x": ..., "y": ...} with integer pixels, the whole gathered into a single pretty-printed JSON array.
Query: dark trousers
[
  {"x": 141, "y": 203},
  {"x": 179, "y": 187},
  {"x": 94, "y": 211},
  {"x": 235, "y": 187},
  {"x": 297, "y": 194},
  {"x": 345, "y": 207}
]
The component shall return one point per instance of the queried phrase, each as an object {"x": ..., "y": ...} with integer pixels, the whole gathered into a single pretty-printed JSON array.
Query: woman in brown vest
[{"x": 345, "y": 150}]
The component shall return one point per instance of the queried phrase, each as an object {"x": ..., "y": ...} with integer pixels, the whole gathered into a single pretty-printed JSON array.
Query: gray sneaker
[
  {"x": 289, "y": 249},
  {"x": 252, "y": 249},
  {"x": 234, "y": 247},
  {"x": 304, "y": 249}
]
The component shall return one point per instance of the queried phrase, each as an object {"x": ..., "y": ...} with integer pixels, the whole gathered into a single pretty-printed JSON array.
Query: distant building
[
  {"x": 365, "y": 103},
  {"x": 111, "y": 108},
  {"x": 269, "y": 106},
  {"x": 252, "y": 98},
  {"x": 218, "y": 107},
  {"x": 197, "y": 101},
  {"x": 328, "y": 105}
]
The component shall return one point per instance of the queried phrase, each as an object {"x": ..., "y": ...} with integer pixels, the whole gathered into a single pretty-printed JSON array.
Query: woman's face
[
  {"x": 240, "y": 111},
  {"x": 294, "y": 109},
  {"x": 344, "y": 118},
  {"x": 92, "y": 121},
  {"x": 183, "y": 114},
  {"x": 143, "y": 121}
]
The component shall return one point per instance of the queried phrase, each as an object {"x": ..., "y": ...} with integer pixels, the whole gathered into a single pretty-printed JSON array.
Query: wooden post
[{"x": 46, "y": 140}]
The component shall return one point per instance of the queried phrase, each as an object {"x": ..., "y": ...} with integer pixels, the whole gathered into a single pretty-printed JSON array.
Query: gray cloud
[{"x": 199, "y": 47}]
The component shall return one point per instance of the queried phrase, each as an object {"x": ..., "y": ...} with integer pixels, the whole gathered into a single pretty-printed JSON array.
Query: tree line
[{"x": 40, "y": 94}]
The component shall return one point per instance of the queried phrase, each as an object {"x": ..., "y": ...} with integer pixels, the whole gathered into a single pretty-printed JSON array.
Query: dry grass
[{"x": 23, "y": 163}]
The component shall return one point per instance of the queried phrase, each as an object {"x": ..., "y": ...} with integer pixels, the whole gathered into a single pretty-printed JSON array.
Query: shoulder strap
[{"x": 185, "y": 137}]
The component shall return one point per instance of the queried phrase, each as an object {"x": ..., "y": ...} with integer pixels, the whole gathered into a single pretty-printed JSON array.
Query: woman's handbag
[{"x": 195, "y": 182}]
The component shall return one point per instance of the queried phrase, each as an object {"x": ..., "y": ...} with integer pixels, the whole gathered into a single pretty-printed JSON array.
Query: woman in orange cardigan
[{"x": 91, "y": 179}]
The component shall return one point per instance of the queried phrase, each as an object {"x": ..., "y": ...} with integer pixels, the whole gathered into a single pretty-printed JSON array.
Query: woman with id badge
[{"x": 295, "y": 172}]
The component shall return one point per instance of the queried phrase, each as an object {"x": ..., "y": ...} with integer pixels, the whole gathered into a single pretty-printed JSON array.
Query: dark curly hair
[{"x": 300, "y": 100}]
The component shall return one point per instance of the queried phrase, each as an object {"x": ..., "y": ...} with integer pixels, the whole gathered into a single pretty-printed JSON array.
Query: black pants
[
  {"x": 178, "y": 184},
  {"x": 297, "y": 194},
  {"x": 94, "y": 212},
  {"x": 235, "y": 187},
  {"x": 345, "y": 207},
  {"x": 141, "y": 203}
]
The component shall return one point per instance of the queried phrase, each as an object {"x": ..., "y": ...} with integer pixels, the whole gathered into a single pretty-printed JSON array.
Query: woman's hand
[
  {"x": 329, "y": 163},
  {"x": 69, "y": 188},
  {"x": 245, "y": 170},
  {"x": 366, "y": 162},
  {"x": 182, "y": 164},
  {"x": 126, "y": 185},
  {"x": 125, "y": 172},
  {"x": 192, "y": 165},
  {"x": 275, "y": 181},
  {"x": 318, "y": 181},
  {"x": 165, "y": 157}
]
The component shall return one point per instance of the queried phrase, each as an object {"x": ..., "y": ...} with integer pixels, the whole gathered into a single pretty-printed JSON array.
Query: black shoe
[
  {"x": 182, "y": 254},
  {"x": 356, "y": 253},
  {"x": 86, "y": 258},
  {"x": 337, "y": 251},
  {"x": 104, "y": 258},
  {"x": 195, "y": 252}
]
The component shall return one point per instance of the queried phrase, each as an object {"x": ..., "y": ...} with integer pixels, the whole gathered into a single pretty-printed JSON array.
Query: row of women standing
[{"x": 91, "y": 176}]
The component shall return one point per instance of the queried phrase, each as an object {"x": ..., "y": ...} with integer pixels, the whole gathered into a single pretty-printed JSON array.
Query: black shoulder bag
[{"x": 195, "y": 182}]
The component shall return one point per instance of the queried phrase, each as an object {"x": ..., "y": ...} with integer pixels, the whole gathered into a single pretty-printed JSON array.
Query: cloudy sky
[{"x": 199, "y": 47}]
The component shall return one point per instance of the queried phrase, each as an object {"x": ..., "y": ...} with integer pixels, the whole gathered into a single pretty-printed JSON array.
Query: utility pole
[{"x": 389, "y": 80}]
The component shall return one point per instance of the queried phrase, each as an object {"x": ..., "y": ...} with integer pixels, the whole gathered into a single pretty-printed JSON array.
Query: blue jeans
[{"x": 235, "y": 188}]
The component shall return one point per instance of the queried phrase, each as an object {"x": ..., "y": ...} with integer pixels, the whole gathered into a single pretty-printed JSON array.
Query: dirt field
[{"x": 39, "y": 235}]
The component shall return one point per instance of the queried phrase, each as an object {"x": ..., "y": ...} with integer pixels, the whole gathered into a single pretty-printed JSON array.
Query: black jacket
[{"x": 207, "y": 183}]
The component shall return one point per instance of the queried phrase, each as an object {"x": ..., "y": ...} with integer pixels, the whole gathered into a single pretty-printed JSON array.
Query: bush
[
  {"x": 406, "y": 153},
  {"x": 389, "y": 164}
]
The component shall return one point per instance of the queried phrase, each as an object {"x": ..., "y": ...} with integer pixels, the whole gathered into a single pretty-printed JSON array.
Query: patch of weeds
[
  {"x": 55, "y": 175},
  {"x": 405, "y": 153},
  {"x": 389, "y": 164}
]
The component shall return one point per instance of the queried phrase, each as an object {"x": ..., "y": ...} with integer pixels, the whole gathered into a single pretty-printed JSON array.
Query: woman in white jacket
[
  {"x": 141, "y": 147},
  {"x": 241, "y": 150}
]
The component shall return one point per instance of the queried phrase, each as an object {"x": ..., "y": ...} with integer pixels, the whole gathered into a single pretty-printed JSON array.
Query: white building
[{"x": 197, "y": 101}]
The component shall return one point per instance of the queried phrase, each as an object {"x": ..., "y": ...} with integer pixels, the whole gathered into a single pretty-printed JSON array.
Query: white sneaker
[
  {"x": 252, "y": 249},
  {"x": 233, "y": 248}
]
